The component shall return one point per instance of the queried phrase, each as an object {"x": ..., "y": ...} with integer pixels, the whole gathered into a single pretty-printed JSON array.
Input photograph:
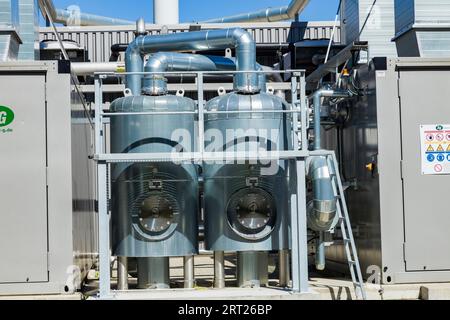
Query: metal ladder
[{"x": 346, "y": 229}]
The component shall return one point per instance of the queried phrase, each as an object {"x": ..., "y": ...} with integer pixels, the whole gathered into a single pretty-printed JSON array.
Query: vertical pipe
[
  {"x": 317, "y": 121},
  {"x": 189, "y": 272},
  {"x": 219, "y": 269},
  {"x": 320, "y": 252},
  {"x": 122, "y": 273},
  {"x": 253, "y": 269},
  {"x": 284, "y": 267},
  {"x": 153, "y": 273}
]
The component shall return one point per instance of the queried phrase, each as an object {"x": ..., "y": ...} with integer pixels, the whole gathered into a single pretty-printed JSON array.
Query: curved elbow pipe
[
  {"x": 323, "y": 207},
  {"x": 317, "y": 101},
  {"x": 196, "y": 41}
]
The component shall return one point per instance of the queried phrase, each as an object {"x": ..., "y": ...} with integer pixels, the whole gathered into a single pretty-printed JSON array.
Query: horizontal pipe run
[
  {"x": 195, "y": 41},
  {"x": 77, "y": 18},
  {"x": 90, "y": 68},
  {"x": 266, "y": 15},
  {"x": 194, "y": 112}
]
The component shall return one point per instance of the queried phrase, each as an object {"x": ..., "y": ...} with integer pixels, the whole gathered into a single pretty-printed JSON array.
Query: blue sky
[{"x": 196, "y": 10}]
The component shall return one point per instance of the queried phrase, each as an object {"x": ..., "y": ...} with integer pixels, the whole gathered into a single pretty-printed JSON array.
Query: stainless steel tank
[
  {"x": 246, "y": 204},
  {"x": 154, "y": 205}
]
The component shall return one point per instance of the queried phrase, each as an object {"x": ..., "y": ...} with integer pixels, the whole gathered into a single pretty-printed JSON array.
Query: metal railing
[{"x": 295, "y": 154}]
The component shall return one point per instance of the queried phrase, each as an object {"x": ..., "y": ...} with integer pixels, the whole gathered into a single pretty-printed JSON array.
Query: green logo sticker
[
  {"x": 439, "y": 128},
  {"x": 6, "y": 116}
]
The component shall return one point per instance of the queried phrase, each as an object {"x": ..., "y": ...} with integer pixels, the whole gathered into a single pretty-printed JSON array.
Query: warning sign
[{"x": 435, "y": 148}]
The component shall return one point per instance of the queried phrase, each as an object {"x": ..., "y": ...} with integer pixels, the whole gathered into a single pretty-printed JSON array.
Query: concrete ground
[{"x": 322, "y": 288}]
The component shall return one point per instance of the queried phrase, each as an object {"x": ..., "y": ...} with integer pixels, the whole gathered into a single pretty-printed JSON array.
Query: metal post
[
  {"x": 102, "y": 193},
  {"x": 284, "y": 268},
  {"x": 253, "y": 269},
  {"x": 153, "y": 273},
  {"x": 122, "y": 273},
  {"x": 189, "y": 272},
  {"x": 295, "y": 103},
  {"x": 304, "y": 114},
  {"x": 298, "y": 200},
  {"x": 201, "y": 114},
  {"x": 301, "y": 259},
  {"x": 219, "y": 269}
]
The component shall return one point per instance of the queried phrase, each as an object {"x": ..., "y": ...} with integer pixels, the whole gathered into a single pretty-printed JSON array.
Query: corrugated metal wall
[
  {"x": 98, "y": 40},
  {"x": 9, "y": 13},
  {"x": 9, "y": 20},
  {"x": 29, "y": 30},
  {"x": 409, "y": 12},
  {"x": 379, "y": 30},
  {"x": 404, "y": 15},
  {"x": 434, "y": 11}
]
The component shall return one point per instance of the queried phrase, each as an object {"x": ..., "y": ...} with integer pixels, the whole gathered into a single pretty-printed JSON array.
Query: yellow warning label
[
  {"x": 440, "y": 148},
  {"x": 430, "y": 149},
  {"x": 448, "y": 148}
]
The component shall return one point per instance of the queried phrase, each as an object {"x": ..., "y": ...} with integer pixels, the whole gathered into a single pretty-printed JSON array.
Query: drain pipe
[
  {"x": 266, "y": 15},
  {"x": 322, "y": 209},
  {"x": 196, "y": 41},
  {"x": 173, "y": 61}
]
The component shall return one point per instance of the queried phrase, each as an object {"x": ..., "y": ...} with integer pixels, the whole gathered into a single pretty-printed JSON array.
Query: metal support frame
[{"x": 296, "y": 158}]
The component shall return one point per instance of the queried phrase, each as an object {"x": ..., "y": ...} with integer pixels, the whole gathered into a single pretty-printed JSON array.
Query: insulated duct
[
  {"x": 196, "y": 41},
  {"x": 74, "y": 17},
  {"x": 323, "y": 207},
  {"x": 170, "y": 61},
  {"x": 266, "y": 15}
]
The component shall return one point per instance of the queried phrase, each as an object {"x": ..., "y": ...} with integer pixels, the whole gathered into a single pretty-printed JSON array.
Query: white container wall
[{"x": 379, "y": 29}]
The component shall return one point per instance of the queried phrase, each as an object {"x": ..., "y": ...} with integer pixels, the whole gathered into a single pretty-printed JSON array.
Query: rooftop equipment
[
  {"x": 371, "y": 21},
  {"x": 29, "y": 29},
  {"x": 422, "y": 28},
  {"x": 9, "y": 27}
]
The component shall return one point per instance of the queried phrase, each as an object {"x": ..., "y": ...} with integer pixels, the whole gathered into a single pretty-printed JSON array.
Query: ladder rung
[{"x": 352, "y": 262}]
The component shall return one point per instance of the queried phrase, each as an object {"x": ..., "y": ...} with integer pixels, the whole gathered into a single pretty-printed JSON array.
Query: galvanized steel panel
[
  {"x": 23, "y": 184},
  {"x": 425, "y": 197}
]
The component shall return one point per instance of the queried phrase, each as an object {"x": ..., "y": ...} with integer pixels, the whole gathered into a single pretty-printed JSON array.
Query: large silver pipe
[
  {"x": 284, "y": 268},
  {"x": 219, "y": 269},
  {"x": 122, "y": 273},
  {"x": 77, "y": 18},
  {"x": 266, "y": 15},
  {"x": 195, "y": 41},
  {"x": 189, "y": 272},
  {"x": 89, "y": 68},
  {"x": 173, "y": 61}
]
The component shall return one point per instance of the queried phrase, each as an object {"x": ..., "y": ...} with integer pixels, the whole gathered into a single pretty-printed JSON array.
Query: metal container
[
  {"x": 246, "y": 204},
  {"x": 422, "y": 28},
  {"x": 154, "y": 205}
]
